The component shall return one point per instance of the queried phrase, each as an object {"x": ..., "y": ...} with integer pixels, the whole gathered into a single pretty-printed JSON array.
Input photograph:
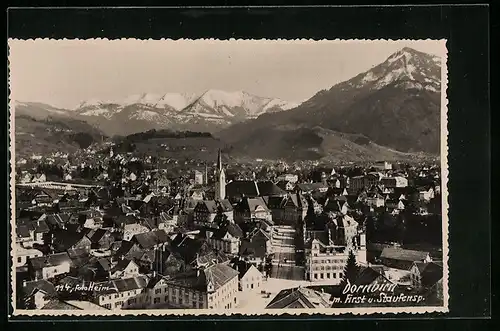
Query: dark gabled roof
[
  {"x": 233, "y": 229},
  {"x": 126, "y": 219},
  {"x": 50, "y": 260},
  {"x": 40, "y": 226},
  {"x": 121, "y": 265},
  {"x": 123, "y": 285},
  {"x": 56, "y": 304},
  {"x": 150, "y": 239},
  {"x": 209, "y": 206},
  {"x": 298, "y": 200},
  {"x": 367, "y": 276},
  {"x": 283, "y": 183},
  {"x": 299, "y": 297},
  {"x": 65, "y": 239},
  {"x": 309, "y": 187},
  {"x": 95, "y": 235},
  {"x": 401, "y": 254},
  {"x": 268, "y": 188},
  {"x": 276, "y": 202},
  {"x": 23, "y": 231},
  {"x": 242, "y": 188},
  {"x": 58, "y": 219},
  {"x": 104, "y": 264},
  {"x": 125, "y": 247},
  {"x": 432, "y": 272},
  {"x": 225, "y": 206},
  {"x": 38, "y": 285},
  {"x": 217, "y": 274},
  {"x": 251, "y": 204}
]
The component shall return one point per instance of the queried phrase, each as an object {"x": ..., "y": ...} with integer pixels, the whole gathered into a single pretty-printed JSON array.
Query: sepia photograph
[{"x": 218, "y": 177}]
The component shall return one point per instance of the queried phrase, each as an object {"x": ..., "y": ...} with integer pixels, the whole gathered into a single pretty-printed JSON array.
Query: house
[
  {"x": 425, "y": 274},
  {"x": 371, "y": 275},
  {"x": 425, "y": 194},
  {"x": 251, "y": 209},
  {"x": 122, "y": 293},
  {"x": 291, "y": 178},
  {"x": 63, "y": 240},
  {"x": 24, "y": 254},
  {"x": 49, "y": 266},
  {"x": 99, "y": 238},
  {"x": 336, "y": 206},
  {"x": 257, "y": 247},
  {"x": 300, "y": 298},
  {"x": 36, "y": 294},
  {"x": 132, "y": 229},
  {"x": 128, "y": 249},
  {"x": 269, "y": 189},
  {"x": 124, "y": 269},
  {"x": 286, "y": 185},
  {"x": 250, "y": 277},
  {"x": 308, "y": 188},
  {"x": 359, "y": 182},
  {"x": 205, "y": 212},
  {"x": 403, "y": 259},
  {"x": 397, "y": 181},
  {"x": 151, "y": 239},
  {"x": 238, "y": 189},
  {"x": 325, "y": 261},
  {"x": 394, "y": 205},
  {"x": 294, "y": 210},
  {"x": 212, "y": 287},
  {"x": 166, "y": 222},
  {"x": 374, "y": 200},
  {"x": 226, "y": 239}
]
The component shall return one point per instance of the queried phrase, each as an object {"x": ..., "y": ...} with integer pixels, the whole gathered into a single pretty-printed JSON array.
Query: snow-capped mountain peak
[{"x": 406, "y": 67}]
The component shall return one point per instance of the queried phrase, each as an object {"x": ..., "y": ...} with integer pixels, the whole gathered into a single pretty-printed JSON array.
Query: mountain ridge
[{"x": 395, "y": 104}]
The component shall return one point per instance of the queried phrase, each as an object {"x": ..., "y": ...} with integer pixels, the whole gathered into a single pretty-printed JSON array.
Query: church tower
[{"x": 220, "y": 185}]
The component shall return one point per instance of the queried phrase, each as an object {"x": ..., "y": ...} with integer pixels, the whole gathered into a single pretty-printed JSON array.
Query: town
[{"x": 110, "y": 230}]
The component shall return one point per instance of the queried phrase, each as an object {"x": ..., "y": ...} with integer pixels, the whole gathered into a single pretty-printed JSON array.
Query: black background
[{"x": 465, "y": 28}]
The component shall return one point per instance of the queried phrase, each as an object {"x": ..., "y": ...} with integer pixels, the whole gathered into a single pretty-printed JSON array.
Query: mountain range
[
  {"x": 210, "y": 111},
  {"x": 391, "y": 111},
  {"x": 394, "y": 104}
]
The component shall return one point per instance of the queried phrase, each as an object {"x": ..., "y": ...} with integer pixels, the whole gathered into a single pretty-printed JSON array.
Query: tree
[{"x": 351, "y": 270}]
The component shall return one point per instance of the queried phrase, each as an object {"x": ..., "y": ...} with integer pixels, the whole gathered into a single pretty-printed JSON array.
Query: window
[
  {"x": 166, "y": 298},
  {"x": 107, "y": 306},
  {"x": 251, "y": 286},
  {"x": 158, "y": 290},
  {"x": 194, "y": 304},
  {"x": 156, "y": 300},
  {"x": 321, "y": 276},
  {"x": 165, "y": 289},
  {"x": 328, "y": 275},
  {"x": 117, "y": 295},
  {"x": 315, "y": 276},
  {"x": 19, "y": 259}
]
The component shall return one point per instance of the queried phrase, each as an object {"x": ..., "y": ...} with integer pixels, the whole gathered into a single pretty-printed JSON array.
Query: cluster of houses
[{"x": 142, "y": 242}]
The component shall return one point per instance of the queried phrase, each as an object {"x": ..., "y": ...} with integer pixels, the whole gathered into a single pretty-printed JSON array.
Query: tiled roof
[
  {"x": 42, "y": 284},
  {"x": 395, "y": 253},
  {"x": 242, "y": 188},
  {"x": 268, "y": 188},
  {"x": 150, "y": 239},
  {"x": 299, "y": 297},
  {"x": 217, "y": 274},
  {"x": 50, "y": 260}
]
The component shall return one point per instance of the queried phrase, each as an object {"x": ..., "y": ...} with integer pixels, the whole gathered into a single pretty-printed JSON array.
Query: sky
[{"x": 64, "y": 73}]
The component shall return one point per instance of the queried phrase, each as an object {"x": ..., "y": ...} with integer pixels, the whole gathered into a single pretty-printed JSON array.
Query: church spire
[
  {"x": 220, "y": 185},
  {"x": 219, "y": 161}
]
